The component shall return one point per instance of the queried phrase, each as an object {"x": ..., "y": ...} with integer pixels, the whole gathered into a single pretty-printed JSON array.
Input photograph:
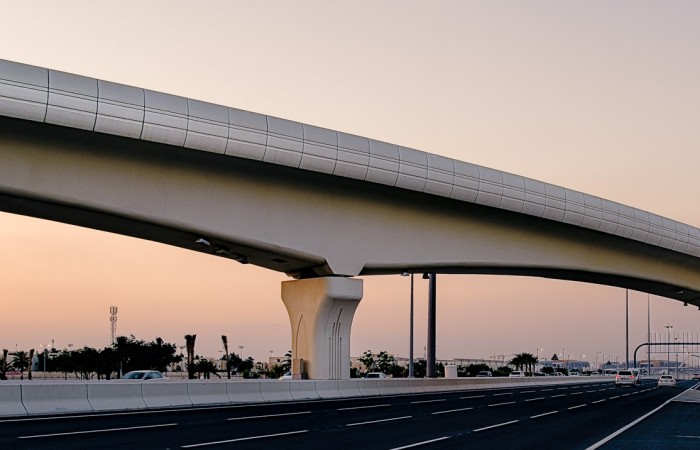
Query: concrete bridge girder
[{"x": 302, "y": 223}]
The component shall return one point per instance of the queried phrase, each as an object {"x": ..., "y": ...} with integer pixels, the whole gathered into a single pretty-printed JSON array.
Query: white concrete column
[{"x": 321, "y": 311}]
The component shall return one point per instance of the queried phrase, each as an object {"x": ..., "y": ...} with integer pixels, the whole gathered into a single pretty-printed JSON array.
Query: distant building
[{"x": 568, "y": 364}]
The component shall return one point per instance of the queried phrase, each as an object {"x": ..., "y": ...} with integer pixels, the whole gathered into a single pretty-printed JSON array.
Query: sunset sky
[{"x": 602, "y": 97}]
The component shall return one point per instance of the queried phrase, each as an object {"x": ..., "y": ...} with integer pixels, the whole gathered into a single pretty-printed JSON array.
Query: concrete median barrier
[
  {"x": 328, "y": 389},
  {"x": 303, "y": 390},
  {"x": 165, "y": 394},
  {"x": 435, "y": 385},
  {"x": 207, "y": 393},
  {"x": 11, "y": 400},
  {"x": 349, "y": 388},
  {"x": 244, "y": 392},
  {"x": 276, "y": 391},
  {"x": 386, "y": 387},
  {"x": 368, "y": 387},
  {"x": 402, "y": 386},
  {"x": 417, "y": 385},
  {"x": 454, "y": 384},
  {"x": 109, "y": 396},
  {"x": 49, "y": 398}
]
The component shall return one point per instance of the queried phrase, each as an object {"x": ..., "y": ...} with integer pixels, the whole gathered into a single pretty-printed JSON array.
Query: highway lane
[
  {"x": 675, "y": 425},
  {"x": 574, "y": 415}
]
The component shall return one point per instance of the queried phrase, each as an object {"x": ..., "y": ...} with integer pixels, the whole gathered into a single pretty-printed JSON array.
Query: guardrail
[{"x": 27, "y": 398}]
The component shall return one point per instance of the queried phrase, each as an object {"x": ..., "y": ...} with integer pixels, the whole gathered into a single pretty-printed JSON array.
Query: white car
[
  {"x": 375, "y": 375},
  {"x": 626, "y": 377},
  {"x": 286, "y": 377},
  {"x": 667, "y": 381},
  {"x": 144, "y": 375},
  {"x": 517, "y": 374}
]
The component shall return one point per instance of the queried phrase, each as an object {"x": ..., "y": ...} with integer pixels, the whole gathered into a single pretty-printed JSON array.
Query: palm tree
[
  {"x": 523, "y": 361},
  {"x": 31, "y": 358},
  {"x": 3, "y": 365},
  {"x": 20, "y": 361},
  {"x": 224, "y": 340},
  {"x": 517, "y": 362},
  {"x": 530, "y": 361},
  {"x": 287, "y": 362},
  {"x": 189, "y": 342}
]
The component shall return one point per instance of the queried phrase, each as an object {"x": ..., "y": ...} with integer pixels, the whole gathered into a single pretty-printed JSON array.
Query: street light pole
[
  {"x": 675, "y": 349},
  {"x": 668, "y": 349}
]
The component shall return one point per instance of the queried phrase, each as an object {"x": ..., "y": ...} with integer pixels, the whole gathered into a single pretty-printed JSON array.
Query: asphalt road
[{"x": 571, "y": 416}]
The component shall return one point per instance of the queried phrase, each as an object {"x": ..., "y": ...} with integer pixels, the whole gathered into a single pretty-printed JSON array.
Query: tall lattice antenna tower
[{"x": 113, "y": 322}]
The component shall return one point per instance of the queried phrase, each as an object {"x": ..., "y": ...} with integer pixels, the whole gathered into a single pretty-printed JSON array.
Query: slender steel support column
[
  {"x": 410, "y": 346},
  {"x": 648, "y": 336},
  {"x": 627, "y": 328},
  {"x": 431, "y": 373}
]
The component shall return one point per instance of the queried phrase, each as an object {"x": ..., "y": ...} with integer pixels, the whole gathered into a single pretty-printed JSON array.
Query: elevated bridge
[{"x": 322, "y": 206}]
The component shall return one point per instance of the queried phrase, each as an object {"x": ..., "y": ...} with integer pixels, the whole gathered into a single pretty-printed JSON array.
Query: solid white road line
[
  {"x": 429, "y": 401},
  {"x": 534, "y": 399},
  {"x": 205, "y": 444},
  {"x": 97, "y": 431},
  {"x": 377, "y": 421},
  {"x": 545, "y": 414},
  {"x": 270, "y": 415},
  {"x": 501, "y": 404},
  {"x": 417, "y": 444},
  {"x": 495, "y": 426},
  {"x": 630, "y": 425},
  {"x": 362, "y": 407},
  {"x": 451, "y": 411}
]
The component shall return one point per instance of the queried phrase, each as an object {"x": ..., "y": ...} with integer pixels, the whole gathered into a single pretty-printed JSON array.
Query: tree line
[
  {"x": 125, "y": 355},
  {"x": 385, "y": 363}
]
